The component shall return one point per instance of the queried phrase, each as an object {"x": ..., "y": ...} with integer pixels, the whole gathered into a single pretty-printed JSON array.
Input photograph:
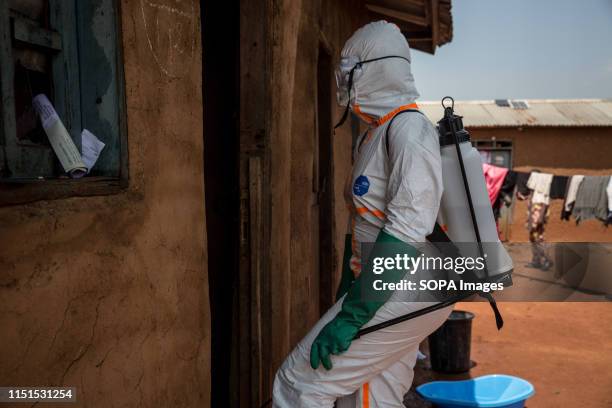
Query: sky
[{"x": 521, "y": 49}]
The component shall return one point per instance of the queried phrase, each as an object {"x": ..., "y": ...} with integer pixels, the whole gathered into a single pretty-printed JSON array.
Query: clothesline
[{"x": 586, "y": 197}]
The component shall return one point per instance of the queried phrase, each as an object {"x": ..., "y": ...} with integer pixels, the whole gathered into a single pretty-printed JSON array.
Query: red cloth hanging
[{"x": 494, "y": 177}]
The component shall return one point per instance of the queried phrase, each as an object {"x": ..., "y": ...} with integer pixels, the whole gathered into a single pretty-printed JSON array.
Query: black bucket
[{"x": 449, "y": 346}]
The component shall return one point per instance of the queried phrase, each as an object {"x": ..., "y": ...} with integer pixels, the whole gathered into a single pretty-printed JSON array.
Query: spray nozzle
[{"x": 450, "y": 122}]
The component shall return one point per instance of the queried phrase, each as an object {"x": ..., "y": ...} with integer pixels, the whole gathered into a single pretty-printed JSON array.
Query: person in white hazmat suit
[{"x": 394, "y": 195}]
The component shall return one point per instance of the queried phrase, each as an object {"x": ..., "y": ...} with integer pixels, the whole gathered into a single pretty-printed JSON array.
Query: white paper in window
[
  {"x": 91, "y": 147},
  {"x": 60, "y": 140}
]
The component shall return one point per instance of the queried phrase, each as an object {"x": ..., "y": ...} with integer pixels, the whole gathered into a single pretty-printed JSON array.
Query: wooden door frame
[
  {"x": 252, "y": 346},
  {"x": 325, "y": 173}
]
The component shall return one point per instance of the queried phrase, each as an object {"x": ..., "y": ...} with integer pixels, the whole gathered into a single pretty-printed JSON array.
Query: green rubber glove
[
  {"x": 359, "y": 305},
  {"x": 347, "y": 274}
]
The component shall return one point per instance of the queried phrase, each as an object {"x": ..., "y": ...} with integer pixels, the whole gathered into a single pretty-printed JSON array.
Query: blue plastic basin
[{"x": 491, "y": 391}]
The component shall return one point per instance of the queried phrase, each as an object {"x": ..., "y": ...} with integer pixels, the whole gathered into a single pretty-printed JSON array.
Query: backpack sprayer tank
[
  {"x": 465, "y": 210},
  {"x": 465, "y": 218}
]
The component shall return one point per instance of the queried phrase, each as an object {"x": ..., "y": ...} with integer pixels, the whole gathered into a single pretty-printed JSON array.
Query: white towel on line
[
  {"x": 540, "y": 184},
  {"x": 570, "y": 198}
]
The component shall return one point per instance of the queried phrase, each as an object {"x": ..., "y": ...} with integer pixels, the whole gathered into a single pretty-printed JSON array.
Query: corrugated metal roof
[{"x": 541, "y": 112}]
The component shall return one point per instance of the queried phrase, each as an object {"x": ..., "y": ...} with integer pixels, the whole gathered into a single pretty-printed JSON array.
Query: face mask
[
  {"x": 342, "y": 77},
  {"x": 347, "y": 73}
]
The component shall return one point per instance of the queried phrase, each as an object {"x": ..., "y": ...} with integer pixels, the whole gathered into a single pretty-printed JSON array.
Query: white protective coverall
[{"x": 399, "y": 191}]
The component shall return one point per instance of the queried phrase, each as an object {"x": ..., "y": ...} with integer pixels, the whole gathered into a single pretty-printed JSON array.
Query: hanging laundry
[
  {"x": 494, "y": 176},
  {"x": 537, "y": 216},
  {"x": 540, "y": 184},
  {"x": 558, "y": 186},
  {"x": 609, "y": 193},
  {"x": 570, "y": 196},
  {"x": 592, "y": 199},
  {"x": 507, "y": 188},
  {"x": 505, "y": 193},
  {"x": 510, "y": 181},
  {"x": 504, "y": 197},
  {"x": 521, "y": 183}
]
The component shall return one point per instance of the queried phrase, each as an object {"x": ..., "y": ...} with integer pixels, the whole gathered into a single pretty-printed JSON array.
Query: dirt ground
[{"x": 563, "y": 349}]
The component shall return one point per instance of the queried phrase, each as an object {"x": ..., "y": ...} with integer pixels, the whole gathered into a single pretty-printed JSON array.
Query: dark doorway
[
  {"x": 220, "y": 41},
  {"x": 324, "y": 173}
]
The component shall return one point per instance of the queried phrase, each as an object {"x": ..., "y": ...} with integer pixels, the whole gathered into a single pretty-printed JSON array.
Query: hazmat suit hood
[{"x": 378, "y": 87}]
